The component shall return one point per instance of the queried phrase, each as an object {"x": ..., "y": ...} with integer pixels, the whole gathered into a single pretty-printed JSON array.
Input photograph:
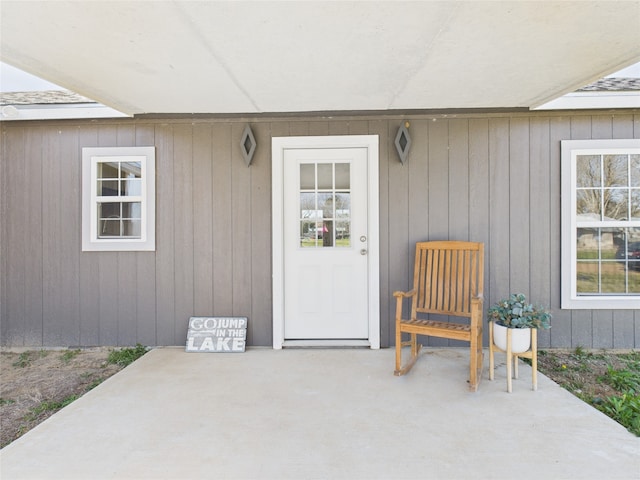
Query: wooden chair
[{"x": 447, "y": 280}]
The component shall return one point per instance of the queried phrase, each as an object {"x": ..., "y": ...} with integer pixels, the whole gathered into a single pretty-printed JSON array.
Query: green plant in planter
[{"x": 515, "y": 312}]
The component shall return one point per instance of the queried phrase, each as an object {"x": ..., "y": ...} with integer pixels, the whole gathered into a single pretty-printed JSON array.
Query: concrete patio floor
[{"x": 321, "y": 413}]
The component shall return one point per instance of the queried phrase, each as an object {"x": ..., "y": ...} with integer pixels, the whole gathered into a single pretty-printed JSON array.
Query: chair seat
[{"x": 433, "y": 328}]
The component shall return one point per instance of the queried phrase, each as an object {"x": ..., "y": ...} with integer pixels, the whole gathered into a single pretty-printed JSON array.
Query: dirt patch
[
  {"x": 584, "y": 373},
  {"x": 36, "y": 384}
]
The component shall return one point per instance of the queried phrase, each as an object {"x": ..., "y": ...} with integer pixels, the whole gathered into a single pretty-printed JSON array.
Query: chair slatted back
[{"x": 446, "y": 276}]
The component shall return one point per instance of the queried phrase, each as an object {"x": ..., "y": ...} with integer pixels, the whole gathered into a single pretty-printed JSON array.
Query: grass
[
  {"x": 610, "y": 382},
  {"x": 126, "y": 356}
]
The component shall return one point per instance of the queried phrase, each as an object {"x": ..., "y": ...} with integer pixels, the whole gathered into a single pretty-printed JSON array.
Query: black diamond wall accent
[
  {"x": 403, "y": 143},
  {"x": 247, "y": 145}
]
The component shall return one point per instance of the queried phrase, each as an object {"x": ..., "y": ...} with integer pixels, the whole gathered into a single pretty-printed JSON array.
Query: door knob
[{"x": 363, "y": 251}]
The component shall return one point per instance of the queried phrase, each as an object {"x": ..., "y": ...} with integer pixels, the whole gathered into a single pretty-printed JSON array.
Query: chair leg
[
  {"x": 509, "y": 360},
  {"x": 415, "y": 349},
  {"x": 398, "y": 351},
  {"x": 534, "y": 358},
  {"x": 491, "y": 360}
]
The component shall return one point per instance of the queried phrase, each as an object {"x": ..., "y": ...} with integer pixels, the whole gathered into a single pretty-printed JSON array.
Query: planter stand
[{"x": 512, "y": 358}]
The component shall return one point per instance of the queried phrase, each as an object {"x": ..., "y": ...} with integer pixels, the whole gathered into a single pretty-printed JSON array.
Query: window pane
[
  {"x": 308, "y": 206},
  {"x": 635, "y": 170},
  {"x": 308, "y": 233},
  {"x": 132, "y": 228},
  {"x": 616, "y": 171},
  {"x": 109, "y": 210},
  {"x": 107, "y": 188},
  {"x": 132, "y": 210},
  {"x": 588, "y": 171},
  {"x": 132, "y": 187},
  {"x": 326, "y": 203},
  {"x": 327, "y": 233},
  {"x": 616, "y": 204},
  {"x": 307, "y": 176},
  {"x": 588, "y": 204},
  {"x": 108, "y": 169},
  {"x": 109, "y": 228},
  {"x": 325, "y": 176},
  {"x": 635, "y": 205},
  {"x": 588, "y": 278},
  {"x": 343, "y": 179},
  {"x": 343, "y": 234},
  {"x": 343, "y": 204},
  {"x": 130, "y": 170}
]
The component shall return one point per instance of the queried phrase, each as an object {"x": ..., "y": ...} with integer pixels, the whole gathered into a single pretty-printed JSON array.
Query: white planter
[{"x": 520, "y": 338}]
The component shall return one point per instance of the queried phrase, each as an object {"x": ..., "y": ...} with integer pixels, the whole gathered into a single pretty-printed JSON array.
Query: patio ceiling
[{"x": 269, "y": 57}]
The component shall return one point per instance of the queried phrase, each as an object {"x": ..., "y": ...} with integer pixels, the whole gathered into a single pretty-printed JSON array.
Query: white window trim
[
  {"x": 569, "y": 297},
  {"x": 90, "y": 240}
]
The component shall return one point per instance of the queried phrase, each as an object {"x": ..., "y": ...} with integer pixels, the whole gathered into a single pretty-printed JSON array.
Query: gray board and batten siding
[{"x": 493, "y": 178}]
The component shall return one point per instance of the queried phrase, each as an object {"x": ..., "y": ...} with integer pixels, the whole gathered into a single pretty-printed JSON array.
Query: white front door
[{"x": 323, "y": 241}]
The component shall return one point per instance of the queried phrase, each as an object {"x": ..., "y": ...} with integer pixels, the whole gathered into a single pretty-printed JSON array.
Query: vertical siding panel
[
  {"x": 459, "y": 179},
  {"x": 479, "y": 196},
  {"x": 417, "y": 166},
  {"x": 146, "y": 266},
  {"x": 319, "y": 128},
  {"x": 387, "y": 324},
  {"x": 298, "y": 128},
  {"x": 338, "y": 127},
  {"x": 622, "y": 126},
  {"x": 601, "y": 126},
  {"x": 183, "y": 228},
  {"x": 358, "y": 127},
  {"x": 438, "y": 180},
  {"x": 395, "y": 195},
  {"x": 222, "y": 214},
  {"x": 581, "y": 320},
  {"x": 89, "y": 264},
  {"x": 519, "y": 206},
  {"x": 560, "y": 333},
  {"x": 165, "y": 287},
  {"x": 52, "y": 293},
  {"x": 602, "y": 329},
  {"x": 32, "y": 198},
  {"x": 241, "y": 232},
  {"x": 539, "y": 218},
  {"x": 202, "y": 220},
  {"x": 127, "y": 268},
  {"x": 108, "y": 273},
  {"x": 14, "y": 233},
  {"x": 261, "y": 298},
  {"x": 61, "y": 228},
  {"x": 625, "y": 329},
  {"x": 499, "y": 209}
]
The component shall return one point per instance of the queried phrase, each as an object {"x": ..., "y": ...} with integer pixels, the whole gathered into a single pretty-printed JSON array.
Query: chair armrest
[{"x": 399, "y": 294}]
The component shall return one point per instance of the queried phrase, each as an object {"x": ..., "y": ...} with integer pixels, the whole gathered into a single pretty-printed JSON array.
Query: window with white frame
[
  {"x": 601, "y": 224},
  {"x": 118, "y": 199}
]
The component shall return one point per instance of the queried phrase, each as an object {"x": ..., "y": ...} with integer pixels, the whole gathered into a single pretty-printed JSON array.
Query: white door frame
[{"x": 278, "y": 147}]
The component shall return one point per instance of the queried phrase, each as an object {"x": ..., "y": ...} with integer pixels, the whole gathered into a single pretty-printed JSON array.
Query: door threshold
[{"x": 326, "y": 343}]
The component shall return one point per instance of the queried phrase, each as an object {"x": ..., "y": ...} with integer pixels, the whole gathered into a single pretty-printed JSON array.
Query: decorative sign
[{"x": 217, "y": 334}]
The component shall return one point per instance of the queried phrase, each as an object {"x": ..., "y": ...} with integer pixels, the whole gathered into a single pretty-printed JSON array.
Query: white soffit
[{"x": 268, "y": 57}]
